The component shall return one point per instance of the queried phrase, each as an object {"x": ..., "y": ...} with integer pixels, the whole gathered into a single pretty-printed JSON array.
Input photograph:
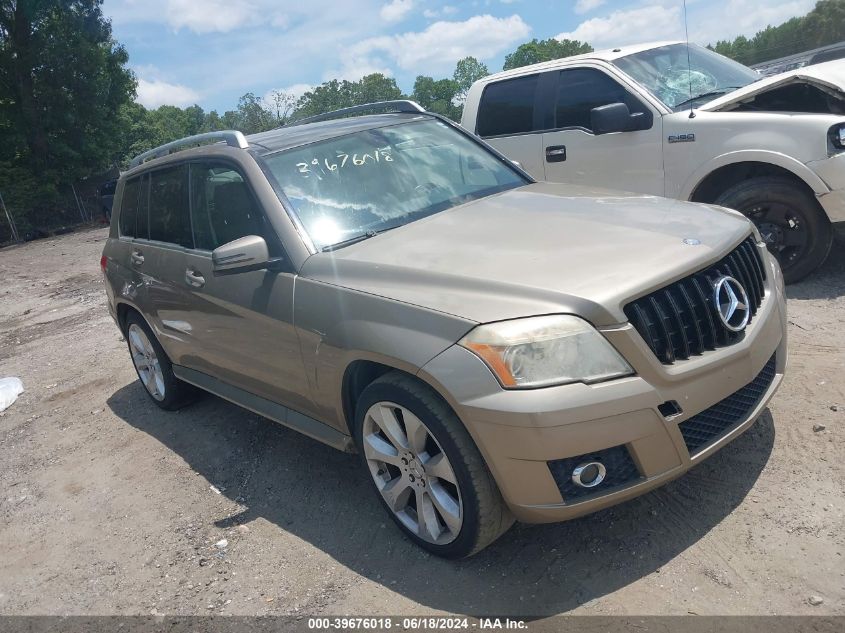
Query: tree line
[
  {"x": 823, "y": 25},
  {"x": 68, "y": 109}
]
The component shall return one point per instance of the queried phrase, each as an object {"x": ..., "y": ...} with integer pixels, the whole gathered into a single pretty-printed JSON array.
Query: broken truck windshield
[{"x": 664, "y": 71}]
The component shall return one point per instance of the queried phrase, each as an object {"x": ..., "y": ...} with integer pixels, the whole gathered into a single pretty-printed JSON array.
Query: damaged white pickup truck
[{"x": 684, "y": 122}]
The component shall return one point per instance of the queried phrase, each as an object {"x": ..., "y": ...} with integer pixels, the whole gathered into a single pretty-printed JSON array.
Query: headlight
[
  {"x": 837, "y": 136},
  {"x": 546, "y": 350}
]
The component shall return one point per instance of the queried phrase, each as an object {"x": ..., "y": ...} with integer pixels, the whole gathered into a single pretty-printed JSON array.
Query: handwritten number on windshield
[{"x": 377, "y": 156}]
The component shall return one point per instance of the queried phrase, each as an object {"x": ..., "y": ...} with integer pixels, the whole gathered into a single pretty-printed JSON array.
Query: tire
[
  {"x": 154, "y": 368},
  {"x": 791, "y": 221},
  {"x": 450, "y": 453}
]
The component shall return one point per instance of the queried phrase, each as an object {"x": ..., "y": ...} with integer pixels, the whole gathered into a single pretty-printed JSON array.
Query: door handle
[
  {"x": 193, "y": 278},
  {"x": 137, "y": 258},
  {"x": 555, "y": 153}
]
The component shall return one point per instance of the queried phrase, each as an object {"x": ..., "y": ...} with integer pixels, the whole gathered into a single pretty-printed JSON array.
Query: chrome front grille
[{"x": 680, "y": 320}]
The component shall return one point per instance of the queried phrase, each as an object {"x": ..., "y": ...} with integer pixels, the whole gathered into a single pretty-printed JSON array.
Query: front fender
[
  {"x": 792, "y": 165},
  {"x": 338, "y": 326}
]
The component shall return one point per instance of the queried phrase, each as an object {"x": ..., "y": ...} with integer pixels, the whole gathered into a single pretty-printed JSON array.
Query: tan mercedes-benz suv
[{"x": 494, "y": 348}]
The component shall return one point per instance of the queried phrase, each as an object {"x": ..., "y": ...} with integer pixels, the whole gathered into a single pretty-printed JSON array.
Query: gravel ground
[{"x": 110, "y": 506}]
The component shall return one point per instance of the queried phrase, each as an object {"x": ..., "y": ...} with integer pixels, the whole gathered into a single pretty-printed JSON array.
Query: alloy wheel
[
  {"x": 146, "y": 361},
  {"x": 782, "y": 229},
  {"x": 412, "y": 473}
]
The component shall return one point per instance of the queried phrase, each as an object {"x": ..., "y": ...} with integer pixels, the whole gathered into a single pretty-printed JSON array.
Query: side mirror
[
  {"x": 242, "y": 255},
  {"x": 616, "y": 117}
]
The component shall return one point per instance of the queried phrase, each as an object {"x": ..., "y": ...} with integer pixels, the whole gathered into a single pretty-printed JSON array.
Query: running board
[{"x": 267, "y": 408}]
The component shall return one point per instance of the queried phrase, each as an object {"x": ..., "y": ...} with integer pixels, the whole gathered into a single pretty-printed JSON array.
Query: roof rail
[
  {"x": 398, "y": 105},
  {"x": 232, "y": 138}
]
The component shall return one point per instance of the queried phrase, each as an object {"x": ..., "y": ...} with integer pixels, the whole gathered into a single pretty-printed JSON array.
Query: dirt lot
[{"x": 107, "y": 505}]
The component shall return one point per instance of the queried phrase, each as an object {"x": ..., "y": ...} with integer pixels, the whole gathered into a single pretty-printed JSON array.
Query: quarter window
[
  {"x": 170, "y": 219},
  {"x": 507, "y": 107},
  {"x": 129, "y": 207},
  {"x": 582, "y": 89},
  {"x": 223, "y": 207}
]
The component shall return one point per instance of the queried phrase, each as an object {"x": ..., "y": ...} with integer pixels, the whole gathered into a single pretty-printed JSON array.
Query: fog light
[{"x": 588, "y": 474}]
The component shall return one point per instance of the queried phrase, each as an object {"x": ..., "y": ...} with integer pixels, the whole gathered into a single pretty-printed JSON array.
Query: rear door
[
  {"x": 242, "y": 324},
  {"x": 628, "y": 161},
  {"x": 507, "y": 119}
]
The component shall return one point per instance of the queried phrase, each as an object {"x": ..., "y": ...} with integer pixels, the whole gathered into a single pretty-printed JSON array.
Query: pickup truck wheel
[
  {"x": 790, "y": 220},
  {"x": 154, "y": 368},
  {"x": 426, "y": 469}
]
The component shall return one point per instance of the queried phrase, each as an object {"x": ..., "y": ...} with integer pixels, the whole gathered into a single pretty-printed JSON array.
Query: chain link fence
[{"x": 85, "y": 202}]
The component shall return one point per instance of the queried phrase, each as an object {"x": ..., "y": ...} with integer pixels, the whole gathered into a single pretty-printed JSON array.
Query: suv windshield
[
  {"x": 665, "y": 73},
  {"x": 377, "y": 179}
]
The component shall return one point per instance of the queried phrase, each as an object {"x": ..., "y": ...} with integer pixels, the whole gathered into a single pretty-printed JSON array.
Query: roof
[
  {"x": 607, "y": 55},
  {"x": 292, "y": 136}
]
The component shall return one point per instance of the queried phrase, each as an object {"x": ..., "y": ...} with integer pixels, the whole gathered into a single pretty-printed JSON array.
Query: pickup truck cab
[{"x": 645, "y": 119}]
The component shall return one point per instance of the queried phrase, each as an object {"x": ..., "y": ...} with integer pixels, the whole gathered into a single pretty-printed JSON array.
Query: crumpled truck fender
[{"x": 792, "y": 165}]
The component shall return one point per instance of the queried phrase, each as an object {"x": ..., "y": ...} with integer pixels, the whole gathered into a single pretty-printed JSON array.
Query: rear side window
[
  {"x": 507, "y": 107},
  {"x": 582, "y": 89},
  {"x": 170, "y": 219},
  {"x": 223, "y": 207},
  {"x": 129, "y": 208}
]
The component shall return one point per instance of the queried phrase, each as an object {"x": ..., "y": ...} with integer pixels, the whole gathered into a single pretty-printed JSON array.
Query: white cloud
[
  {"x": 396, "y": 10},
  {"x": 436, "y": 13},
  {"x": 585, "y": 6},
  {"x": 742, "y": 17},
  {"x": 152, "y": 94},
  {"x": 435, "y": 49},
  {"x": 654, "y": 22},
  {"x": 211, "y": 16}
]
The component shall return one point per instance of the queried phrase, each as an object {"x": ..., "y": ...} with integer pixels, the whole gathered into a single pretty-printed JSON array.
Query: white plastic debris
[
  {"x": 222, "y": 544},
  {"x": 10, "y": 389}
]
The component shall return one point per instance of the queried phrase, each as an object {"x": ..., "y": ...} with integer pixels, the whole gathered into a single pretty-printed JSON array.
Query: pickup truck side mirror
[
  {"x": 616, "y": 117},
  {"x": 242, "y": 255}
]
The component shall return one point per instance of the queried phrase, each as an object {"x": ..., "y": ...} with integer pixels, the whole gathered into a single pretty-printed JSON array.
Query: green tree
[
  {"x": 63, "y": 80},
  {"x": 64, "y": 87},
  {"x": 374, "y": 88},
  {"x": 283, "y": 104},
  {"x": 437, "y": 95},
  {"x": 328, "y": 96},
  {"x": 467, "y": 71},
  {"x": 253, "y": 115},
  {"x": 537, "y": 51},
  {"x": 337, "y": 94}
]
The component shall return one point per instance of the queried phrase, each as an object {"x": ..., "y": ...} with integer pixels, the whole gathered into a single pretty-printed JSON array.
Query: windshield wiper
[
  {"x": 715, "y": 93},
  {"x": 358, "y": 238}
]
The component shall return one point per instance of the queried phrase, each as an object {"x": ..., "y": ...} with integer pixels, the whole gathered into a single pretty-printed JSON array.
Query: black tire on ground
[
  {"x": 790, "y": 219},
  {"x": 485, "y": 515},
  {"x": 177, "y": 394}
]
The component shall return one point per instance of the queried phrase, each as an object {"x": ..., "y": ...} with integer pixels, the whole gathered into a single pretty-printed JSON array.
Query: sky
[{"x": 211, "y": 52}]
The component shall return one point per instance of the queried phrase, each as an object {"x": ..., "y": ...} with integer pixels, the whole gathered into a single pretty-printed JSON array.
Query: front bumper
[
  {"x": 834, "y": 205},
  {"x": 525, "y": 436},
  {"x": 832, "y": 172}
]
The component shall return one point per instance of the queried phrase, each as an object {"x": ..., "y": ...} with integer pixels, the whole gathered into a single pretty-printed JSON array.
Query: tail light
[{"x": 103, "y": 262}]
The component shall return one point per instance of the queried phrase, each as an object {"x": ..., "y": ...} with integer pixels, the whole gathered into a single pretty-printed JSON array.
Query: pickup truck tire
[
  {"x": 482, "y": 516},
  {"x": 154, "y": 368},
  {"x": 791, "y": 221}
]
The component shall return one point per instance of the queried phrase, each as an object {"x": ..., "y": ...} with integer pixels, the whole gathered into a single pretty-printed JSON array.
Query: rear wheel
[
  {"x": 154, "y": 368},
  {"x": 791, "y": 222},
  {"x": 426, "y": 469}
]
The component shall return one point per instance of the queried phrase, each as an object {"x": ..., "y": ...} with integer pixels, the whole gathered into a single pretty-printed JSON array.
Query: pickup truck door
[{"x": 628, "y": 161}]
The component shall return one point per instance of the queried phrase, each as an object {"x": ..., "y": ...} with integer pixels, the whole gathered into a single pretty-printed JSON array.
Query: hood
[
  {"x": 539, "y": 249},
  {"x": 828, "y": 77}
]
